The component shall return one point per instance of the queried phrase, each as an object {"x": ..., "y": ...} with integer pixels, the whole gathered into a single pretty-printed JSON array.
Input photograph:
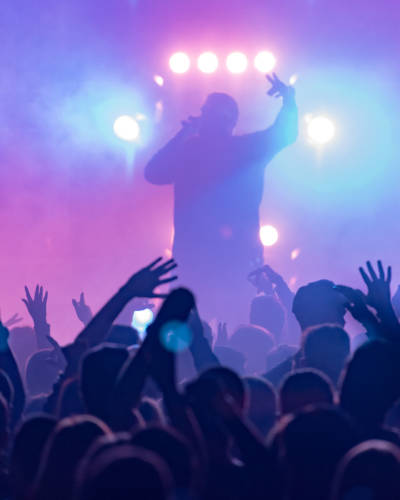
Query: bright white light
[
  {"x": 268, "y": 235},
  {"x": 142, "y": 319},
  {"x": 236, "y": 62},
  {"x": 179, "y": 62},
  {"x": 159, "y": 80},
  {"x": 293, "y": 79},
  {"x": 126, "y": 128},
  {"x": 207, "y": 62},
  {"x": 265, "y": 61},
  {"x": 295, "y": 253},
  {"x": 320, "y": 130}
]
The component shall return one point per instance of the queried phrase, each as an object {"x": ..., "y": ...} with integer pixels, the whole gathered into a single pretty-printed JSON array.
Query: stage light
[
  {"x": 159, "y": 80},
  {"x": 207, "y": 62},
  {"x": 293, "y": 79},
  {"x": 176, "y": 336},
  {"x": 268, "y": 235},
  {"x": 265, "y": 61},
  {"x": 236, "y": 62},
  {"x": 126, "y": 128},
  {"x": 179, "y": 62},
  {"x": 320, "y": 130},
  {"x": 295, "y": 253},
  {"x": 141, "y": 320}
]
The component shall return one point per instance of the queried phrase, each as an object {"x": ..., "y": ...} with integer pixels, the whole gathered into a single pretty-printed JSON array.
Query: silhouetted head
[
  {"x": 126, "y": 473},
  {"x": 219, "y": 114},
  {"x": 66, "y": 446},
  {"x": 370, "y": 470},
  {"x": 70, "y": 399},
  {"x": 99, "y": 371},
  {"x": 371, "y": 382},
  {"x": 123, "y": 335},
  {"x": 261, "y": 408},
  {"x": 318, "y": 303},
  {"x": 310, "y": 445},
  {"x": 302, "y": 388},
  {"x": 173, "y": 448},
  {"x": 326, "y": 348},
  {"x": 255, "y": 343},
  {"x": 27, "y": 451},
  {"x": 42, "y": 371},
  {"x": 267, "y": 312}
]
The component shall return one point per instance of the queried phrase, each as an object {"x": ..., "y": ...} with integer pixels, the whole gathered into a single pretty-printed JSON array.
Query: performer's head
[{"x": 219, "y": 114}]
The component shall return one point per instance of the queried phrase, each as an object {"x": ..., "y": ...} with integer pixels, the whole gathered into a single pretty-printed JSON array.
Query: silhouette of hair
[
  {"x": 41, "y": 372},
  {"x": 99, "y": 371},
  {"x": 126, "y": 473},
  {"x": 369, "y": 470},
  {"x": 4, "y": 423},
  {"x": 262, "y": 403},
  {"x": 66, "y": 446},
  {"x": 254, "y": 342},
  {"x": 173, "y": 448},
  {"x": 123, "y": 335},
  {"x": 231, "y": 358},
  {"x": 26, "y": 455},
  {"x": 266, "y": 311},
  {"x": 226, "y": 104},
  {"x": 302, "y": 388},
  {"x": 318, "y": 303},
  {"x": 326, "y": 348}
]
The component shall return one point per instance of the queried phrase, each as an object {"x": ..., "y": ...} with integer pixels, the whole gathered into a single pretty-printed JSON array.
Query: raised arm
[
  {"x": 283, "y": 132},
  {"x": 161, "y": 169}
]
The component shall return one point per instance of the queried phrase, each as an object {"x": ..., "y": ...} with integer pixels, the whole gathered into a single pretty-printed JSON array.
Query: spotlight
[
  {"x": 207, "y": 62},
  {"x": 320, "y": 130},
  {"x": 293, "y": 79},
  {"x": 179, "y": 62},
  {"x": 268, "y": 235},
  {"x": 265, "y": 61},
  {"x": 236, "y": 62},
  {"x": 126, "y": 128}
]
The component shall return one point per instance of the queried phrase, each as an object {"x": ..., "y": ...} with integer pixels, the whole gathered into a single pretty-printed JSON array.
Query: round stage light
[
  {"x": 268, "y": 235},
  {"x": 320, "y": 130},
  {"x": 236, "y": 62},
  {"x": 179, "y": 62},
  {"x": 265, "y": 61},
  {"x": 126, "y": 128},
  {"x": 207, "y": 62}
]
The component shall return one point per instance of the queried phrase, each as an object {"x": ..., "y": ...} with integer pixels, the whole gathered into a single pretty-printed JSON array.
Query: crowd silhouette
[{"x": 228, "y": 415}]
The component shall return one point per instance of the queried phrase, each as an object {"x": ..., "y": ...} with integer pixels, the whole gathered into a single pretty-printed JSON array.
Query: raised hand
[
  {"x": 15, "y": 319},
  {"x": 357, "y": 306},
  {"x": 82, "y": 310},
  {"x": 36, "y": 306},
  {"x": 190, "y": 126},
  {"x": 378, "y": 285},
  {"x": 278, "y": 88},
  {"x": 144, "y": 282}
]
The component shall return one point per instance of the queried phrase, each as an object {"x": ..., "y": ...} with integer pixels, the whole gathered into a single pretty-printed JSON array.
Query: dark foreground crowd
[{"x": 287, "y": 407}]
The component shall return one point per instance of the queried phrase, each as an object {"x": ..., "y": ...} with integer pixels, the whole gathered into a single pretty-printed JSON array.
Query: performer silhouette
[{"x": 218, "y": 181}]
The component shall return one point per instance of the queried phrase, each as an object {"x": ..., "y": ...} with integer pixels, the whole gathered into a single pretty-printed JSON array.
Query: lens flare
[{"x": 176, "y": 336}]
